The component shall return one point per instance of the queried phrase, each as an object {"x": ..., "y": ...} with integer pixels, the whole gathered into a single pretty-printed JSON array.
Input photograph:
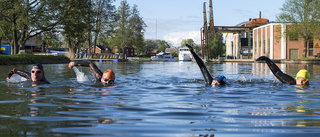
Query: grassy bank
[{"x": 32, "y": 59}]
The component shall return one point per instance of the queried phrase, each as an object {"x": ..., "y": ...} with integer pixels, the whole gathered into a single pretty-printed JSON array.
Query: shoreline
[
  {"x": 282, "y": 61},
  {"x": 22, "y": 59}
]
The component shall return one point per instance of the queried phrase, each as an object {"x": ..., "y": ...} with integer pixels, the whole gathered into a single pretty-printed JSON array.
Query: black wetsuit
[
  {"x": 26, "y": 75},
  {"x": 95, "y": 70},
  {"x": 207, "y": 76},
  {"x": 283, "y": 77}
]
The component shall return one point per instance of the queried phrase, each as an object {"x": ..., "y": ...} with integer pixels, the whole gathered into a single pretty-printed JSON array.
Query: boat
[
  {"x": 185, "y": 54},
  {"x": 163, "y": 57}
]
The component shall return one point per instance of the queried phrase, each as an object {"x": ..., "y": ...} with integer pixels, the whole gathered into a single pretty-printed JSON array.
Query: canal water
[{"x": 161, "y": 99}]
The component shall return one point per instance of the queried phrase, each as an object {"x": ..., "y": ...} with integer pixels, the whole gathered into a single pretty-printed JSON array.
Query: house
[
  {"x": 99, "y": 49},
  {"x": 239, "y": 41},
  {"x": 173, "y": 50},
  {"x": 154, "y": 52},
  {"x": 270, "y": 40},
  {"x": 130, "y": 51},
  {"x": 32, "y": 45}
]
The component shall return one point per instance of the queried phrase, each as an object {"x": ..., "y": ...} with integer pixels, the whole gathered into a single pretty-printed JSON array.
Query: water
[{"x": 161, "y": 99}]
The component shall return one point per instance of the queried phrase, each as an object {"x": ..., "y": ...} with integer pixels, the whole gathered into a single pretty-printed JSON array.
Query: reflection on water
[{"x": 161, "y": 99}]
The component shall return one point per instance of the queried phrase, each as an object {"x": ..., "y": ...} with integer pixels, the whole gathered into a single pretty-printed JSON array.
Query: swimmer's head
[
  {"x": 37, "y": 73},
  {"x": 302, "y": 77},
  {"x": 38, "y": 66},
  {"x": 108, "y": 77},
  {"x": 219, "y": 80}
]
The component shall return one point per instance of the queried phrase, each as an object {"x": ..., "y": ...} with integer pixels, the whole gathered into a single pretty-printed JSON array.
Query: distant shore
[
  {"x": 32, "y": 59},
  {"x": 284, "y": 61},
  {"x": 25, "y": 58}
]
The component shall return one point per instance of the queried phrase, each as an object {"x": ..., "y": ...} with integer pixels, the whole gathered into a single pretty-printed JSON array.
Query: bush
[{"x": 26, "y": 58}]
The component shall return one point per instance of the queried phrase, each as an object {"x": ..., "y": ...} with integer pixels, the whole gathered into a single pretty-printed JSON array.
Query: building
[
  {"x": 239, "y": 38},
  {"x": 270, "y": 40},
  {"x": 130, "y": 52},
  {"x": 173, "y": 50}
]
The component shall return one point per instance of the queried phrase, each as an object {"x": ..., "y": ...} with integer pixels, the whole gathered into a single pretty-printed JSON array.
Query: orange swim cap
[{"x": 109, "y": 74}]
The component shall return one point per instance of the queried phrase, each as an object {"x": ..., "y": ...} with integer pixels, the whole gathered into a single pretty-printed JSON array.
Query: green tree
[
  {"x": 304, "y": 17},
  {"x": 150, "y": 45},
  {"x": 104, "y": 13},
  {"x": 187, "y": 41},
  {"x": 218, "y": 48},
  {"x": 137, "y": 26},
  {"x": 162, "y": 45},
  {"x": 21, "y": 20},
  {"x": 129, "y": 28},
  {"x": 75, "y": 23}
]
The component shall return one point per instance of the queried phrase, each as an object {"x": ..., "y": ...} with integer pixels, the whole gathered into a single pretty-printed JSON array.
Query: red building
[{"x": 270, "y": 40}]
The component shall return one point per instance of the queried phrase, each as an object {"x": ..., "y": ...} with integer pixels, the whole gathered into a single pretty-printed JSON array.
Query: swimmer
[
  {"x": 36, "y": 75},
  {"x": 219, "y": 80},
  {"x": 107, "y": 77},
  {"x": 302, "y": 77}
]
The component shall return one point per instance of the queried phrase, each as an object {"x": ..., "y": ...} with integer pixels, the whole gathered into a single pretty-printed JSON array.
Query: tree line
[{"x": 75, "y": 23}]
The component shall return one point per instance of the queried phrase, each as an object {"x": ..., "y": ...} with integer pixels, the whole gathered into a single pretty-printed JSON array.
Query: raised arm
[
  {"x": 207, "y": 76},
  {"x": 20, "y": 72},
  {"x": 94, "y": 69},
  {"x": 283, "y": 77}
]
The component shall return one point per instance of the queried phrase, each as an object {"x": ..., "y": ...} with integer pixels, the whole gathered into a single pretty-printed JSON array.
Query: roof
[
  {"x": 101, "y": 47},
  {"x": 3, "y": 42},
  {"x": 172, "y": 50}
]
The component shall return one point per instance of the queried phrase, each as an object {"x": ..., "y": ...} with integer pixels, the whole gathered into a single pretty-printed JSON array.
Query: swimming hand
[
  {"x": 190, "y": 48},
  {"x": 11, "y": 73},
  {"x": 71, "y": 64},
  {"x": 262, "y": 58}
]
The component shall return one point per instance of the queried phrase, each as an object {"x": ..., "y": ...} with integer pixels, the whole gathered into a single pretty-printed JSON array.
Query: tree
[
  {"x": 162, "y": 45},
  {"x": 304, "y": 17},
  {"x": 187, "y": 41},
  {"x": 75, "y": 23},
  {"x": 150, "y": 45},
  {"x": 104, "y": 15},
  {"x": 218, "y": 48},
  {"x": 129, "y": 28},
  {"x": 21, "y": 20}
]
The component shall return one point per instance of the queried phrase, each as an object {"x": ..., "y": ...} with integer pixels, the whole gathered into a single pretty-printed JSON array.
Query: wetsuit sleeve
[
  {"x": 207, "y": 76},
  {"x": 94, "y": 69},
  {"x": 20, "y": 72},
  {"x": 283, "y": 77}
]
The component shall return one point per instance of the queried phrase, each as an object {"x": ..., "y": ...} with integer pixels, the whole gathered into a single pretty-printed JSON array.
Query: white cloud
[{"x": 175, "y": 38}]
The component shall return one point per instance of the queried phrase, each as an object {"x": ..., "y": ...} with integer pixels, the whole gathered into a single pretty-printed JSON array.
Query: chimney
[{"x": 259, "y": 14}]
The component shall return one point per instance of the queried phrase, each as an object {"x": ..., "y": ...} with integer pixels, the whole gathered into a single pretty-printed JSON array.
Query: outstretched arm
[
  {"x": 20, "y": 72},
  {"x": 284, "y": 78},
  {"x": 207, "y": 76},
  {"x": 94, "y": 69}
]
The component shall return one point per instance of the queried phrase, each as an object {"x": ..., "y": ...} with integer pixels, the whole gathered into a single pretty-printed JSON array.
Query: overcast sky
[{"x": 175, "y": 20}]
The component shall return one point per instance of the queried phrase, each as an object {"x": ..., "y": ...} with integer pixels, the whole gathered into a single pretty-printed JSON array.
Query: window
[
  {"x": 264, "y": 46},
  {"x": 256, "y": 46},
  {"x": 259, "y": 43},
  {"x": 310, "y": 47},
  {"x": 268, "y": 46}
]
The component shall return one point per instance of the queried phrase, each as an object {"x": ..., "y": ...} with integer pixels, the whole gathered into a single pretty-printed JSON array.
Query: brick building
[{"x": 270, "y": 40}]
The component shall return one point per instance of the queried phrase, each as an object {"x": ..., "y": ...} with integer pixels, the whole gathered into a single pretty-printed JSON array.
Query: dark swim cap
[
  {"x": 38, "y": 66},
  {"x": 221, "y": 79}
]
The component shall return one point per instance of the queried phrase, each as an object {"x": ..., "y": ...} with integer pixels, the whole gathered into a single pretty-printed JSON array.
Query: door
[{"x": 294, "y": 53}]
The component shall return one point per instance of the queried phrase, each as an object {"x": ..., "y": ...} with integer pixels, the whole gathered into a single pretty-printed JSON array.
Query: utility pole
[
  {"x": 211, "y": 25},
  {"x": 205, "y": 28}
]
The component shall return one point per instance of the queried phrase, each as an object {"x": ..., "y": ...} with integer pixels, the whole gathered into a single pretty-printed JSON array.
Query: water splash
[
  {"x": 15, "y": 78},
  {"x": 81, "y": 77},
  {"x": 241, "y": 78}
]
